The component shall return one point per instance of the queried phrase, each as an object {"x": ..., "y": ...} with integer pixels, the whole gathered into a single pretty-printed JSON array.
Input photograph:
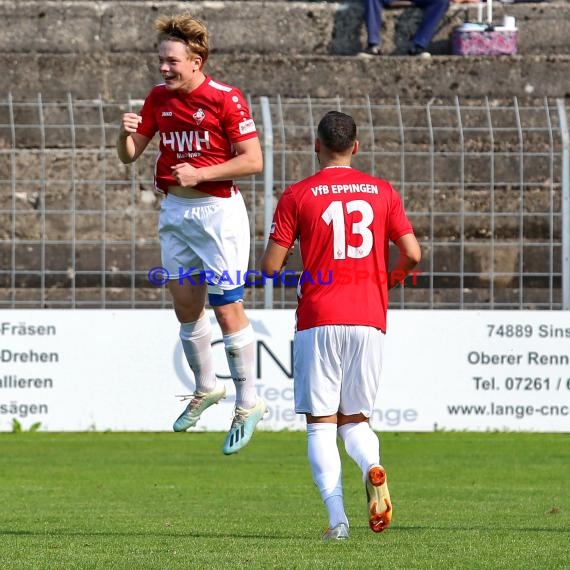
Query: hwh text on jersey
[{"x": 186, "y": 140}]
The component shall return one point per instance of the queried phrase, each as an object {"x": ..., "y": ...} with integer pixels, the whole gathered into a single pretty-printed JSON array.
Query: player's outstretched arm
[{"x": 409, "y": 256}]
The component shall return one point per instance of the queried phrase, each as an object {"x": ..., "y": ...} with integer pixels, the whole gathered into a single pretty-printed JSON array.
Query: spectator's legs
[
  {"x": 433, "y": 12},
  {"x": 373, "y": 20}
]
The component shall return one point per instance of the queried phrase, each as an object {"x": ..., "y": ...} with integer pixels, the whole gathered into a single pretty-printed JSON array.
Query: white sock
[
  {"x": 240, "y": 350},
  {"x": 361, "y": 444},
  {"x": 196, "y": 337},
  {"x": 326, "y": 469}
]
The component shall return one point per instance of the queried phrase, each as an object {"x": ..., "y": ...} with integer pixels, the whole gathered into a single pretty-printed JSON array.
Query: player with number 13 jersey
[{"x": 344, "y": 220}]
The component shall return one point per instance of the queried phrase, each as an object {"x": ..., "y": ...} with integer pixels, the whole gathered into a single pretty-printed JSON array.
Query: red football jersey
[
  {"x": 199, "y": 128},
  {"x": 344, "y": 220}
]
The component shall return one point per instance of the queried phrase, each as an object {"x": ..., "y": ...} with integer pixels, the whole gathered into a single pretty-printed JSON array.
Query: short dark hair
[{"x": 337, "y": 131}]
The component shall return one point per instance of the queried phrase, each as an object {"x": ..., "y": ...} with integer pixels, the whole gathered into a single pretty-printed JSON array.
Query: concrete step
[
  {"x": 105, "y": 212},
  {"x": 450, "y": 293},
  {"x": 153, "y": 297},
  {"x": 238, "y": 26},
  {"x": 387, "y": 125},
  {"x": 116, "y": 76}
]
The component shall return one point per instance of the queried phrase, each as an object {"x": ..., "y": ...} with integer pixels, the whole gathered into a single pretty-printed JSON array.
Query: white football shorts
[
  {"x": 207, "y": 238},
  {"x": 337, "y": 368}
]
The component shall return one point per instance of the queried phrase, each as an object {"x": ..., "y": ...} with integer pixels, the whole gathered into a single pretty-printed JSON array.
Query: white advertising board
[{"x": 121, "y": 370}]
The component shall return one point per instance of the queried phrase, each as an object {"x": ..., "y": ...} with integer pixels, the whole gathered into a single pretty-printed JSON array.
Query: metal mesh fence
[{"x": 484, "y": 182}]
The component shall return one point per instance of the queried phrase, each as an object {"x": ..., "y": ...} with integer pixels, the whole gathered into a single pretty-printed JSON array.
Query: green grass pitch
[{"x": 166, "y": 501}]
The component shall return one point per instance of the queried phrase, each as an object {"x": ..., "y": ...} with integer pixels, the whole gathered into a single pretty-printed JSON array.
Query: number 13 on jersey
[{"x": 335, "y": 214}]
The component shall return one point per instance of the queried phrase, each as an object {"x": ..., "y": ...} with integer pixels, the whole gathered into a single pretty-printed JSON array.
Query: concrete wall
[
  {"x": 108, "y": 48},
  {"x": 291, "y": 48}
]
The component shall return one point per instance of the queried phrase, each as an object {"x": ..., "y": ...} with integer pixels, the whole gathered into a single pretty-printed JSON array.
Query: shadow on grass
[
  {"x": 493, "y": 530},
  {"x": 276, "y": 536},
  {"x": 169, "y": 533}
]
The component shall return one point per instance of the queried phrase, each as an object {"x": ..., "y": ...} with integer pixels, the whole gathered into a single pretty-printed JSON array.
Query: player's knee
[
  {"x": 187, "y": 313},
  {"x": 350, "y": 419},
  {"x": 196, "y": 329}
]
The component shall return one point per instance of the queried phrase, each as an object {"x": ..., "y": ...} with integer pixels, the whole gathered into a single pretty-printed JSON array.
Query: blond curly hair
[{"x": 186, "y": 29}]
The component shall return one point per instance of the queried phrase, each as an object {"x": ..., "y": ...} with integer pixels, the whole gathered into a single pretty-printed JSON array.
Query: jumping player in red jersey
[
  {"x": 344, "y": 220},
  {"x": 207, "y": 139}
]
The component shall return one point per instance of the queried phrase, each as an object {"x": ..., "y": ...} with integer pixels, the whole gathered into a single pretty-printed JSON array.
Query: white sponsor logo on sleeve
[{"x": 247, "y": 126}]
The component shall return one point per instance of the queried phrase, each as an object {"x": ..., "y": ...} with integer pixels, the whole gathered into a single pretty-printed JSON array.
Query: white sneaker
[
  {"x": 200, "y": 401},
  {"x": 339, "y": 532},
  {"x": 370, "y": 51}
]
